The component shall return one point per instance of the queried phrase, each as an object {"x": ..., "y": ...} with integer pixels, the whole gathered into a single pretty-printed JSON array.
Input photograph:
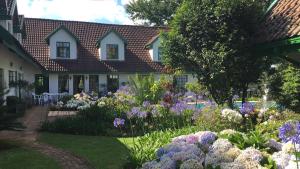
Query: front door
[
  {"x": 41, "y": 84},
  {"x": 112, "y": 83},
  {"x": 78, "y": 83}
]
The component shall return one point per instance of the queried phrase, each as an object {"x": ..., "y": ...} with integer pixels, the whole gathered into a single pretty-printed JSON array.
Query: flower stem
[{"x": 296, "y": 155}]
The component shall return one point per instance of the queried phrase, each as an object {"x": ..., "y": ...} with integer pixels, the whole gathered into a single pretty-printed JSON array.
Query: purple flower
[
  {"x": 247, "y": 108},
  {"x": 290, "y": 131},
  {"x": 178, "y": 108},
  {"x": 133, "y": 113},
  {"x": 207, "y": 138},
  {"x": 142, "y": 114},
  {"x": 190, "y": 96},
  {"x": 160, "y": 152},
  {"x": 192, "y": 139},
  {"x": 146, "y": 104},
  {"x": 136, "y": 112},
  {"x": 125, "y": 90},
  {"x": 118, "y": 122}
]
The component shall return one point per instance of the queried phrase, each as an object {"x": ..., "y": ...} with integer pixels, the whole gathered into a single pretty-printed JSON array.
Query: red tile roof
[
  {"x": 137, "y": 58},
  {"x": 281, "y": 22}
]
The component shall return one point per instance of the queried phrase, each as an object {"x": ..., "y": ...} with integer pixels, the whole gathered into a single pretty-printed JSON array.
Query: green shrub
[
  {"x": 91, "y": 121},
  {"x": 255, "y": 139},
  {"x": 11, "y": 102},
  {"x": 210, "y": 119},
  {"x": 285, "y": 86},
  {"x": 144, "y": 148}
]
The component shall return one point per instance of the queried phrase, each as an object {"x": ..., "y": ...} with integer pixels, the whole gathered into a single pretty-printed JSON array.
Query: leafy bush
[
  {"x": 285, "y": 86},
  {"x": 144, "y": 148},
  {"x": 11, "y": 102},
  {"x": 255, "y": 139},
  {"x": 210, "y": 119},
  {"x": 271, "y": 126},
  {"x": 91, "y": 121}
]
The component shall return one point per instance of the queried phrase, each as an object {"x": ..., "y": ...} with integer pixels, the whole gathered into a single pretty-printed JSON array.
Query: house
[
  {"x": 15, "y": 62},
  {"x": 71, "y": 56},
  {"x": 93, "y": 56},
  {"x": 279, "y": 34}
]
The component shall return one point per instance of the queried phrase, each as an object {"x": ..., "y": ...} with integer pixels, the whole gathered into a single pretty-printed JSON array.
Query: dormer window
[
  {"x": 62, "y": 44},
  {"x": 112, "y": 51},
  {"x": 112, "y": 46},
  {"x": 154, "y": 48},
  {"x": 63, "y": 50},
  {"x": 159, "y": 54}
]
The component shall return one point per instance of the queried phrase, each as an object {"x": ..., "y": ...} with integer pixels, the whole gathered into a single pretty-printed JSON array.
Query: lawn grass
[
  {"x": 101, "y": 152},
  {"x": 12, "y": 156}
]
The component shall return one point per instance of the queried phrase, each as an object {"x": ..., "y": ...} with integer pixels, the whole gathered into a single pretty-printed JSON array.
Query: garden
[{"x": 164, "y": 127}]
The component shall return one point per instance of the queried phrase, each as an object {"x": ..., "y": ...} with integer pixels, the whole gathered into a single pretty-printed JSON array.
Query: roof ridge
[{"x": 97, "y": 23}]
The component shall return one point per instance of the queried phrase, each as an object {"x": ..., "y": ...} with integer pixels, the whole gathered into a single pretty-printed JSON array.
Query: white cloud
[{"x": 80, "y": 10}]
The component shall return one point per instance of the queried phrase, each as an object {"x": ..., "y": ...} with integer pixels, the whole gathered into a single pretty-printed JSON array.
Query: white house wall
[
  {"x": 11, "y": 62},
  {"x": 112, "y": 38},
  {"x": 53, "y": 83},
  {"x": 62, "y": 36},
  {"x": 154, "y": 50}
]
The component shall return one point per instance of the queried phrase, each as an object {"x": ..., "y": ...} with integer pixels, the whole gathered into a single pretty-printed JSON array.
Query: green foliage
[
  {"x": 285, "y": 86},
  {"x": 101, "y": 152},
  {"x": 254, "y": 139},
  {"x": 91, "y": 121},
  {"x": 210, "y": 120},
  {"x": 20, "y": 85},
  {"x": 213, "y": 39},
  {"x": 144, "y": 148},
  {"x": 146, "y": 88},
  {"x": 156, "y": 12}
]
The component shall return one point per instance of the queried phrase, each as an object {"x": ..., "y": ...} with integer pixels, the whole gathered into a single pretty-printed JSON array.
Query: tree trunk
[{"x": 244, "y": 94}]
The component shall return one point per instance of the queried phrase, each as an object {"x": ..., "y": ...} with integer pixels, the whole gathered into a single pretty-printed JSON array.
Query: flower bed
[{"x": 206, "y": 150}]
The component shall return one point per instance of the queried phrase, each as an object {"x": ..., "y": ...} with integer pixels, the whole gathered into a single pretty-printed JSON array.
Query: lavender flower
[
  {"x": 146, "y": 104},
  {"x": 118, "y": 122},
  {"x": 290, "y": 131},
  {"x": 207, "y": 138},
  {"x": 179, "y": 107},
  {"x": 133, "y": 113},
  {"x": 247, "y": 108}
]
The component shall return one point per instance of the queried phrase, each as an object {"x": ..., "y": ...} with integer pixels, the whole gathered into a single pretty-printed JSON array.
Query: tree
[
  {"x": 20, "y": 85},
  {"x": 284, "y": 86},
  {"x": 157, "y": 12},
  {"x": 214, "y": 40},
  {"x": 161, "y": 12}
]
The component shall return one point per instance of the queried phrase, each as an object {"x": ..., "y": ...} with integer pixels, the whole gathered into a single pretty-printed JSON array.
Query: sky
[{"x": 103, "y": 11}]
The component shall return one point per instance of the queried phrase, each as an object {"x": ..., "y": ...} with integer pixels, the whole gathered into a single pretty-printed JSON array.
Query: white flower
[
  {"x": 228, "y": 132},
  {"x": 231, "y": 115},
  {"x": 250, "y": 153},
  {"x": 281, "y": 159},
  {"x": 191, "y": 164}
]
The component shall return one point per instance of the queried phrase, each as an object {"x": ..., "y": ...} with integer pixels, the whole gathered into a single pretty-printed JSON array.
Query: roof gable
[
  {"x": 62, "y": 27},
  {"x": 281, "y": 22},
  {"x": 149, "y": 45},
  {"x": 137, "y": 58},
  {"x": 108, "y": 33}
]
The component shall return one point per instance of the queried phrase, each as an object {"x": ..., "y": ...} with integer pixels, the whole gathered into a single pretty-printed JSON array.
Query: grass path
[
  {"x": 101, "y": 152},
  {"x": 14, "y": 156}
]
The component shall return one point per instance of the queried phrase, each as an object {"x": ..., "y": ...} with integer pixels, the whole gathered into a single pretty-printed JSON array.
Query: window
[
  {"x": 112, "y": 51},
  {"x": 2, "y": 85},
  {"x": 63, "y": 83},
  {"x": 159, "y": 54},
  {"x": 180, "y": 81},
  {"x": 20, "y": 76},
  {"x": 94, "y": 83},
  {"x": 63, "y": 49},
  {"x": 12, "y": 76},
  {"x": 9, "y": 27},
  {"x": 112, "y": 83}
]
